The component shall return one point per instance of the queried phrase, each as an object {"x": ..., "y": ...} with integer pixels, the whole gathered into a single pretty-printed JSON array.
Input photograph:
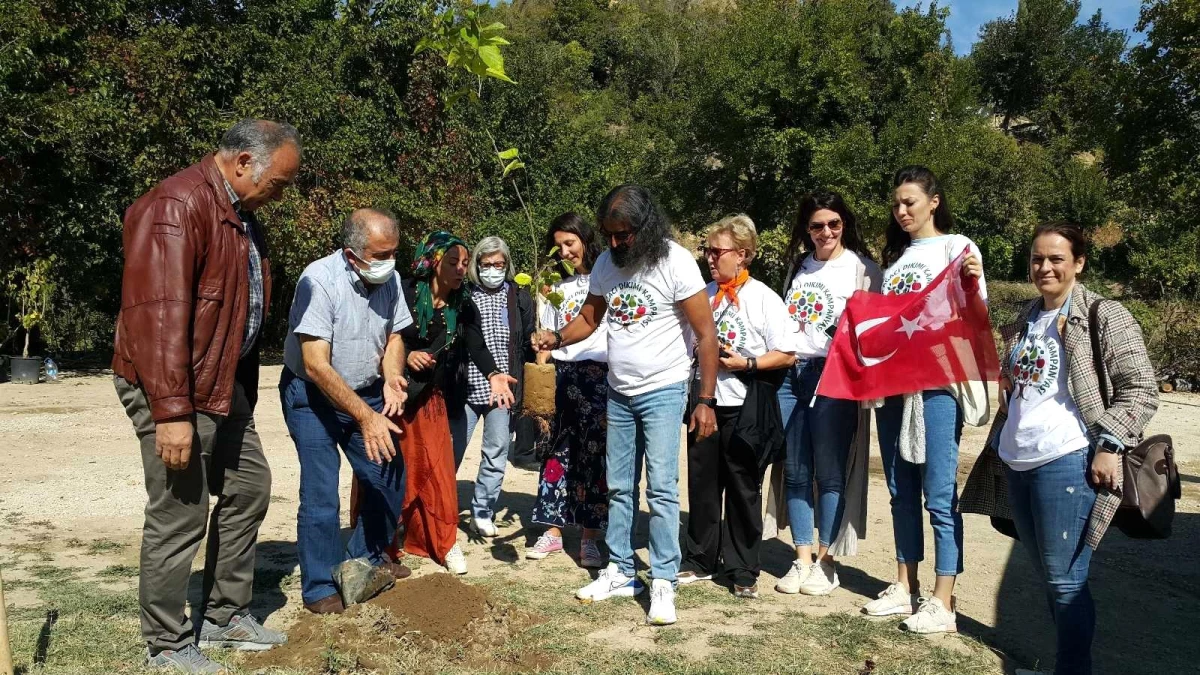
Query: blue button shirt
[{"x": 334, "y": 304}]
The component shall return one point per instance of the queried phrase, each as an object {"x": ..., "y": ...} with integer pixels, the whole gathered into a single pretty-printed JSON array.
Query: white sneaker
[
  {"x": 456, "y": 562},
  {"x": 822, "y": 579},
  {"x": 893, "y": 600},
  {"x": 662, "y": 603},
  {"x": 931, "y": 617},
  {"x": 589, "y": 554},
  {"x": 795, "y": 577},
  {"x": 610, "y": 583},
  {"x": 485, "y": 527},
  {"x": 689, "y": 577}
]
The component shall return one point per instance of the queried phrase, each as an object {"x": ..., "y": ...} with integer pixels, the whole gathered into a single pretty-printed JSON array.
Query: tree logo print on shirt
[
  {"x": 1036, "y": 366},
  {"x": 731, "y": 330},
  {"x": 910, "y": 277},
  {"x": 629, "y": 305},
  {"x": 810, "y": 305},
  {"x": 572, "y": 305}
]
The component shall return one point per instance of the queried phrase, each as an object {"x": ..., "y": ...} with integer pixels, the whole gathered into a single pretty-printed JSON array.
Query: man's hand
[
  {"x": 703, "y": 422},
  {"x": 173, "y": 442},
  {"x": 395, "y": 394},
  {"x": 1106, "y": 469},
  {"x": 543, "y": 340},
  {"x": 420, "y": 361},
  {"x": 502, "y": 395},
  {"x": 377, "y": 433}
]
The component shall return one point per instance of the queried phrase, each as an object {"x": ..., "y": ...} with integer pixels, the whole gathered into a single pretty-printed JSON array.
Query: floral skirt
[{"x": 572, "y": 489}]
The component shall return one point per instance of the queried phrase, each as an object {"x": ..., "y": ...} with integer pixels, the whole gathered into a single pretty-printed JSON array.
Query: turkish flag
[{"x": 901, "y": 344}]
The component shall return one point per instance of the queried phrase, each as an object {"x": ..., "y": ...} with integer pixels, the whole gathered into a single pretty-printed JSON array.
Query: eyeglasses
[
  {"x": 834, "y": 226},
  {"x": 714, "y": 252},
  {"x": 493, "y": 266},
  {"x": 618, "y": 237}
]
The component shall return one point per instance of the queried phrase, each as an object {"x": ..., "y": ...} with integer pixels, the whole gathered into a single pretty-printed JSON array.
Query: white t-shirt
[
  {"x": 647, "y": 349},
  {"x": 757, "y": 325},
  {"x": 575, "y": 292},
  {"x": 816, "y": 298},
  {"x": 1043, "y": 421},
  {"x": 923, "y": 260}
]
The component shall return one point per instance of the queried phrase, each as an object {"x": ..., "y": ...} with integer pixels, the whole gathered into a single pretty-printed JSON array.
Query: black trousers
[{"x": 723, "y": 471}]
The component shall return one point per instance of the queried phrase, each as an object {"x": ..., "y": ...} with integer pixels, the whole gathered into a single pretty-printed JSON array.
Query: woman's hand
[
  {"x": 733, "y": 362},
  {"x": 972, "y": 267},
  {"x": 502, "y": 396},
  {"x": 1005, "y": 389},
  {"x": 1106, "y": 470},
  {"x": 419, "y": 361}
]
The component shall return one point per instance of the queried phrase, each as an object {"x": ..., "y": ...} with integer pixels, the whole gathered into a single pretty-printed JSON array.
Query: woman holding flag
[
  {"x": 919, "y": 431},
  {"x": 827, "y": 438}
]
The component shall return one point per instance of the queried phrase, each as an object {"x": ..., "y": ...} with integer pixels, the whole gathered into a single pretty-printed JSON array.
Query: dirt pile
[{"x": 421, "y": 624}]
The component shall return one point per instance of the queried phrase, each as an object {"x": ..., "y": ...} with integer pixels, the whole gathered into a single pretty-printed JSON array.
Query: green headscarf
[{"x": 424, "y": 267}]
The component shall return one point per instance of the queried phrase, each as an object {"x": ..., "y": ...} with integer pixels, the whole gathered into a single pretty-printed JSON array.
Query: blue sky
[{"x": 966, "y": 16}]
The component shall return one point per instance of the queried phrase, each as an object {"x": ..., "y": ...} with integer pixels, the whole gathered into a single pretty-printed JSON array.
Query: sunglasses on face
[
  {"x": 714, "y": 253},
  {"x": 834, "y": 226}
]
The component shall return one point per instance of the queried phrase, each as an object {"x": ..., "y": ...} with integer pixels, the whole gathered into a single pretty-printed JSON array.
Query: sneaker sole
[
  {"x": 895, "y": 611},
  {"x": 948, "y": 628},
  {"x": 534, "y": 555},
  {"x": 623, "y": 592},
  {"x": 786, "y": 591},
  {"x": 592, "y": 564},
  {"x": 660, "y": 622},
  {"x": 822, "y": 592},
  {"x": 237, "y": 645},
  {"x": 683, "y": 581}
]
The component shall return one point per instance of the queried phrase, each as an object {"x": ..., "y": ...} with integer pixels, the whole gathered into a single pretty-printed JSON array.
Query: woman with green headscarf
[{"x": 446, "y": 332}]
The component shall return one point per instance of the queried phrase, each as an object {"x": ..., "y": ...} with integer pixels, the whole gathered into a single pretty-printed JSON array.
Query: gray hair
[
  {"x": 358, "y": 224},
  {"x": 260, "y": 138},
  {"x": 486, "y": 247}
]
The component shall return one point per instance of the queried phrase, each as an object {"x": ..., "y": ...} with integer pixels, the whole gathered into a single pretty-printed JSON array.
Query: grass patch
[
  {"x": 105, "y": 546},
  {"x": 37, "y": 550},
  {"x": 75, "y": 543},
  {"x": 96, "y": 631},
  {"x": 670, "y": 636},
  {"x": 53, "y": 573},
  {"x": 118, "y": 572}
]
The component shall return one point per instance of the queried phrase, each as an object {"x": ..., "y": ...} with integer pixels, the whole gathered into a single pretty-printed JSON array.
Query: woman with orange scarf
[
  {"x": 755, "y": 343},
  {"x": 445, "y": 333}
]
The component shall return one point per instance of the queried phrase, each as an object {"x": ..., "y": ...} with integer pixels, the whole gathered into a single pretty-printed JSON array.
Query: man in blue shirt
[{"x": 341, "y": 386}]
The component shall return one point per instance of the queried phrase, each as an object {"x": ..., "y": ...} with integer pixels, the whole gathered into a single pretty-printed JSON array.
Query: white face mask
[
  {"x": 378, "y": 272},
  {"x": 491, "y": 278}
]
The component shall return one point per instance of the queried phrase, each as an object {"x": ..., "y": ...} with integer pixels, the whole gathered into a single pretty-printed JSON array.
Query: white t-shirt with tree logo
[
  {"x": 816, "y": 298},
  {"x": 923, "y": 260},
  {"x": 647, "y": 347},
  {"x": 756, "y": 325},
  {"x": 1043, "y": 422},
  {"x": 575, "y": 292}
]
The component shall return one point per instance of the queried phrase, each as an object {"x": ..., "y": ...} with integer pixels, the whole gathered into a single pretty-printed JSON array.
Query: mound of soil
[{"x": 437, "y": 614}]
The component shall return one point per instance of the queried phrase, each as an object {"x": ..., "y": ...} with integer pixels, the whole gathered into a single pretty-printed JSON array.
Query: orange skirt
[{"x": 430, "y": 510}]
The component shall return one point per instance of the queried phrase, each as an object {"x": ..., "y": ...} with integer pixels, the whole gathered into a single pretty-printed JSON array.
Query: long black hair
[
  {"x": 896, "y": 239},
  {"x": 575, "y": 224},
  {"x": 801, "y": 241},
  {"x": 634, "y": 205}
]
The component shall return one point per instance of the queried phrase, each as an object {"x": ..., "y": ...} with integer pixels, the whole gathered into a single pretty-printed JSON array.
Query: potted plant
[
  {"x": 32, "y": 287},
  {"x": 540, "y": 377}
]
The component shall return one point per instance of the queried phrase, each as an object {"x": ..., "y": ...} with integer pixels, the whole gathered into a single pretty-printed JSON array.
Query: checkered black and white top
[{"x": 493, "y": 320}]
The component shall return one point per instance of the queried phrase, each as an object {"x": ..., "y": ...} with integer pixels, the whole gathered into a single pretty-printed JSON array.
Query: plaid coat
[{"x": 1132, "y": 394}]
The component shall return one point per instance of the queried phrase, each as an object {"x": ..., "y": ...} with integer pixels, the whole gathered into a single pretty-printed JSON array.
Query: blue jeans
[
  {"x": 818, "y": 445},
  {"x": 645, "y": 426},
  {"x": 1051, "y": 506},
  {"x": 493, "y": 454},
  {"x": 318, "y": 428},
  {"x": 937, "y": 478}
]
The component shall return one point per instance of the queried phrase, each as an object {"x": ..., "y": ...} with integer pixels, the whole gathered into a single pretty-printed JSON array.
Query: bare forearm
[
  {"x": 774, "y": 360},
  {"x": 393, "y": 358},
  {"x": 706, "y": 355},
  {"x": 336, "y": 390}
]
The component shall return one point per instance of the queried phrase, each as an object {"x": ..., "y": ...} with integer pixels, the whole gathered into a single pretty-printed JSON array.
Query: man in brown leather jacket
[{"x": 194, "y": 294}]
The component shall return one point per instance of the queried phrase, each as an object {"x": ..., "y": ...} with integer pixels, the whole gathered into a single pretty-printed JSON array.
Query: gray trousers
[{"x": 227, "y": 462}]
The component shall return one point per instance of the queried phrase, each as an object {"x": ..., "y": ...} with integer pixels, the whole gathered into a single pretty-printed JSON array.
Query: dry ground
[{"x": 71, "y": 500}]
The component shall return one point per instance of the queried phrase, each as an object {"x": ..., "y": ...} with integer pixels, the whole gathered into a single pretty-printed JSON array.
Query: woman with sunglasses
[
  {"x": 729, "y": 465},
  {"x": 506, "y": 321},
  {"x": 918, "y": 247},
  {"x": 827, "y": 438}
]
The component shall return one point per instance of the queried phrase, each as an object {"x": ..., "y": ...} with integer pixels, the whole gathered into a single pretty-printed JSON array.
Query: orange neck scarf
[{"x": 730, "y": 288}]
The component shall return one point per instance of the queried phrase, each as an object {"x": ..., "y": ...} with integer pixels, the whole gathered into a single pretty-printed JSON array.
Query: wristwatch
[
  {"x": 1109, "y": 446},
  {"x": 710, "y": 401}
]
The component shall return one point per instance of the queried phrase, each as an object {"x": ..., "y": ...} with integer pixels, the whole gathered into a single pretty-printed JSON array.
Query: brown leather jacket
[{"x": 184, "y": 294}]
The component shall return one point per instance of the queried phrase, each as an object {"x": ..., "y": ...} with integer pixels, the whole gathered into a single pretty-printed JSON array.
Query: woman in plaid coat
[{"x": 1053, "y": 461}]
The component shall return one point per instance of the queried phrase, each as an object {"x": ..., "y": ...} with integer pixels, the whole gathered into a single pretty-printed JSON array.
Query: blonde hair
[{"x": 739, "y": 228}]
